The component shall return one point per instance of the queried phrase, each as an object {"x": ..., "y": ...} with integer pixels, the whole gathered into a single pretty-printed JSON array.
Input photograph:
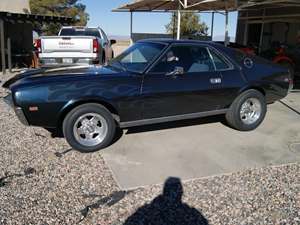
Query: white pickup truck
[{"x": 75, "y": 45}]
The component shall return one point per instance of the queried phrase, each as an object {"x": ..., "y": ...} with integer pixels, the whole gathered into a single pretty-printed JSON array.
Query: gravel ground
[{"x": 43, "y": 181}]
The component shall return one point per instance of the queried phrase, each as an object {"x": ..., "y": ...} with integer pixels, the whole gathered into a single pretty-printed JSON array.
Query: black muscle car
[{"x": 153, "y": 81}]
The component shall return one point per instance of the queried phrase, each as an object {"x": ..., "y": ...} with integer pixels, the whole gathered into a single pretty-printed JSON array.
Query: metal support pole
[
  {"x": 212, "y": 25},
  {"x": 185, "y": 4},
  {"x": 178, "y": 24},
  {"x": 9, "y": 54},
  {"x": 262, "y": 32},
  {"x": 2, "y": 46},
  {"x": 245, "y": 39},
  {"x": 226, "y": 29},
  {"x": 131, "y": 38}
]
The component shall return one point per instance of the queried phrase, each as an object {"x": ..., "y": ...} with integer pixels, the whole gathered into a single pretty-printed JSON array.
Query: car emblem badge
[{"x": 248, "y": 63}]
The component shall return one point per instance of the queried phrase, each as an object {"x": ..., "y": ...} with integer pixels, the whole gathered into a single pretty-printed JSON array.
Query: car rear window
[
  {"x": 219, "y": 61},
  {"x": 80, "y": 32}
]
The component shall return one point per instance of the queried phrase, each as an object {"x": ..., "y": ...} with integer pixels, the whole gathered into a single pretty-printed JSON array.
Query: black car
[{"x": 153, "y": 81}]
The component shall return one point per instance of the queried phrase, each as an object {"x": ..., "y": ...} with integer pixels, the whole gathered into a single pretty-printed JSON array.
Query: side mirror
[
  {"x": 112, "y": 42},
  {"x": 177, "y": 71}
]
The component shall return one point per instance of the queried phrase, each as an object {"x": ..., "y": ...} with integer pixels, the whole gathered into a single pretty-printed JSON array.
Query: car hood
[{"x": 43, "y": 73}]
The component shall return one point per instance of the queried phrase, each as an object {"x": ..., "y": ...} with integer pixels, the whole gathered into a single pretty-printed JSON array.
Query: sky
[{"x": 114, "y": 23}]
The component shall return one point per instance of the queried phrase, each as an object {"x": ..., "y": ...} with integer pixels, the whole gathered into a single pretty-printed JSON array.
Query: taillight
[
  {"x": 95, "y": 46},
  {"x": 38, "y": 45}
]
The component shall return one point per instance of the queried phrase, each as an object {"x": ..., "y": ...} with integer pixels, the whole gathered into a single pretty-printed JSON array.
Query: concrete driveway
[{"x": 204, "y": 147}]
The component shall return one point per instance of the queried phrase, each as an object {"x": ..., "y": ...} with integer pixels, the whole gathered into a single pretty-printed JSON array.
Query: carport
[
  {"x": 204, "y": 6},
  {"x": 16, "y": 34}
]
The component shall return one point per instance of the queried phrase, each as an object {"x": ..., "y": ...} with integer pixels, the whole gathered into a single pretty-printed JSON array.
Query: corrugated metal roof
[
  {"x": 171, "y": 5},
  {"x": 201, "y": 5}
]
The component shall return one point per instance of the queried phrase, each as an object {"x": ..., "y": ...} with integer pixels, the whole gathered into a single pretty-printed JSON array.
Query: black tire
[
  {"x": 103, "y": 58},
  {"x": 75, "y": 114},
  {"x": 233, "y": 116}
]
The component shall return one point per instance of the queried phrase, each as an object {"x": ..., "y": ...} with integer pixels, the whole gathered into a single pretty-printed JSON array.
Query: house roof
[{"x": 21, "y": 17}]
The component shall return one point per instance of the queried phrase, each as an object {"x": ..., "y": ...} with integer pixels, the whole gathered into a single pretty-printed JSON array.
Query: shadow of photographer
[{"x": 167, "y": 209}]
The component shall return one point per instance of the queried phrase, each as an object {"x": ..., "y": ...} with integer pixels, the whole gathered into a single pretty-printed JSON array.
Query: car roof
[{"x": 171, "y": 41}]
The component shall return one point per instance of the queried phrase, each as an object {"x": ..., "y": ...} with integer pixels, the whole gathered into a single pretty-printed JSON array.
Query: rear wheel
[
  {"x": 89, "y": 127},
  {"x": 248, "y": 111}
]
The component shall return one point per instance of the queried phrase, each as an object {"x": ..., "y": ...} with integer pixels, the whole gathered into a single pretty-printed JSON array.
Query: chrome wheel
[
  {"x": 250, "y": 111},
  {"x": 90, "y": 129}
]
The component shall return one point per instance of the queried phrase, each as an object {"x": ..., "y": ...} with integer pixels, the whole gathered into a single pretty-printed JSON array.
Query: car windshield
[
  {"x": 137, "y": 57},
  {"x": 80, "y": 32}
]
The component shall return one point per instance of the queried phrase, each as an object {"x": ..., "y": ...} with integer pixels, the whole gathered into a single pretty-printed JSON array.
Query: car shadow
[
  {"x": 167, "y": 209},
  {"x": 148, "y": 128}
]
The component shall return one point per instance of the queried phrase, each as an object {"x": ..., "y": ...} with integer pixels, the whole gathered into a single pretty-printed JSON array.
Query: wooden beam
[
  {"x": 9, "y": 55},
  {"x": 2, "y": 46}
]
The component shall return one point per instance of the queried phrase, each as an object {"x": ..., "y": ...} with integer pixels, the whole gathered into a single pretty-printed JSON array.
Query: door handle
[{"x": 215, "y": 80}]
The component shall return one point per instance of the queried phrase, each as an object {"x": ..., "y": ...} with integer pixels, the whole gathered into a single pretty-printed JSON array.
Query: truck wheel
[
  {"x": 247, "y": 111},
  {"x": 89, "y": 127},
  {"x": 103, "y": 58}
]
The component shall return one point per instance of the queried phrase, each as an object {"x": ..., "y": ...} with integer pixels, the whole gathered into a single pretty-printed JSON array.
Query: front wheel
[
  {"x": 248, "y": 111},
  {"x": 89, "y": 127}
]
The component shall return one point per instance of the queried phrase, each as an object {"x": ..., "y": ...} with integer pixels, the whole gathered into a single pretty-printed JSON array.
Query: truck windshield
[
  {"x": 137, "y": 57},
  {"x": 80, "y": 32}
]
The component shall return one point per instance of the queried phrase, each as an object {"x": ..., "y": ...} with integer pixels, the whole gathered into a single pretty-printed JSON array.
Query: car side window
[
  {"x": 192, "y": 58},
  {"x": 219, "y": 61}
]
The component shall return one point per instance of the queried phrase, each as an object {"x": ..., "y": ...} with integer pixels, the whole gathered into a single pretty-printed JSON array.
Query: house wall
[
  {"x": 20, "y": 35},
  {"x": 15, "y": 6},
  {"x": 282, "y": 29}
]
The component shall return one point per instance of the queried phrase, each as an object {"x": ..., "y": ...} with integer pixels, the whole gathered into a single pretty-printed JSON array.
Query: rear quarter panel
[{"x": 268, "y": 77}]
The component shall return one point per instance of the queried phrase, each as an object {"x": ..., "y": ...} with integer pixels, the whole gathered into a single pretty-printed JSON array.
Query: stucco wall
[{"x": 15, "y": 6}]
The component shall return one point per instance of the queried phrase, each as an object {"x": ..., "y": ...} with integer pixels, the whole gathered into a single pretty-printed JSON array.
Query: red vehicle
[
  {"x": 248, "y": 50},
  {"x": 283, "y": 55}
]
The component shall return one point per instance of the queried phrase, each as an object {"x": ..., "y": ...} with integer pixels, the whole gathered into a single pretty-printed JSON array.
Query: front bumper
[
  {"x": 21, "y": 116},
  {"x": 18, "y": 110}
]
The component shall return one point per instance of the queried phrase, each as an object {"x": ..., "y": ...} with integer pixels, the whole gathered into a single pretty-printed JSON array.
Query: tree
[
  {"x": 190, "y": 25},
  {"x": 67, "y": 8}
]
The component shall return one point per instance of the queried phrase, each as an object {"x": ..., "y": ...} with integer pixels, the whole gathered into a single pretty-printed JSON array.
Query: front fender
[{"x": 71, "y": 104}]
